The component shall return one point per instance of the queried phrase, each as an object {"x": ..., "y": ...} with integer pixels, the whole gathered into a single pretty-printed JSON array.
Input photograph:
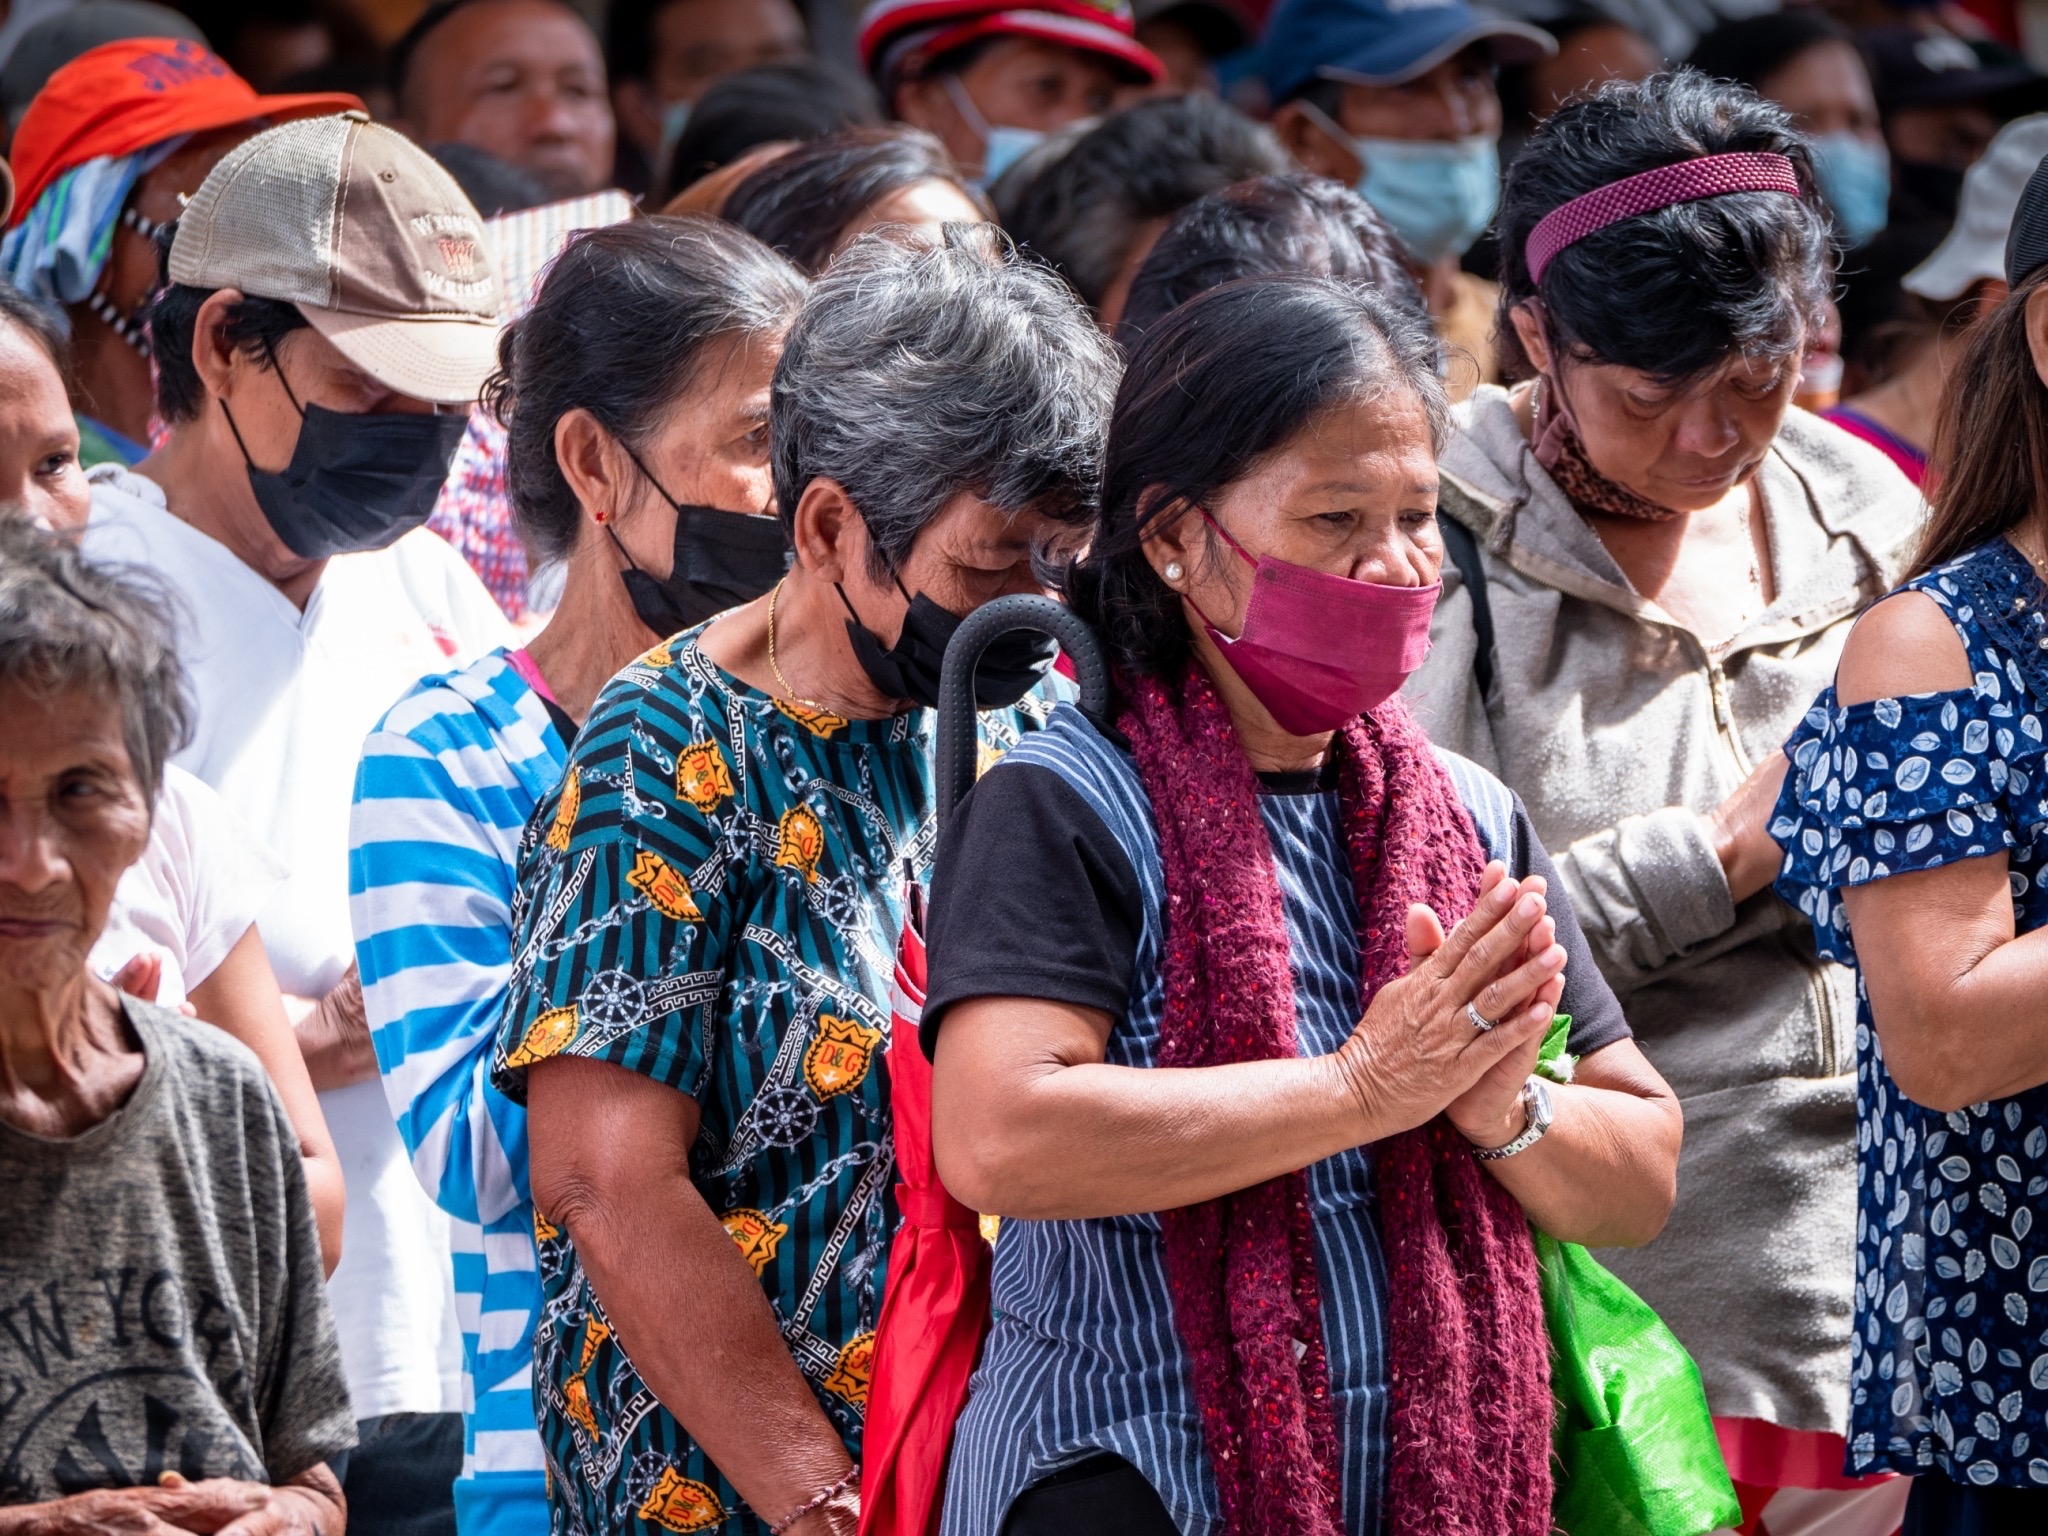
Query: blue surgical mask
[
  {"x": 1855, "y": 178},
  {"x": 675, "y": 117},
  {"x": 1001, "y": 146},
  {"x": 1437, "y": 195}
]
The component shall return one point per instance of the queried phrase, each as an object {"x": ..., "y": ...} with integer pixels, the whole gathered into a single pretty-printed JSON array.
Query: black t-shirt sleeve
[
  {"x": 1595, "y": 1011},
  {"x": 1032, "y": 896}
]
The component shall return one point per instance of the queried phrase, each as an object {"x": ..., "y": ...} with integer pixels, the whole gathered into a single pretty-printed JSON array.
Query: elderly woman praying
[{"x": 1273, "y": 1134}]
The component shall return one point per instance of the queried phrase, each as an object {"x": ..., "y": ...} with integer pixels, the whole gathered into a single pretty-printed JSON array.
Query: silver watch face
[{"x": 1540, "y": 1111}]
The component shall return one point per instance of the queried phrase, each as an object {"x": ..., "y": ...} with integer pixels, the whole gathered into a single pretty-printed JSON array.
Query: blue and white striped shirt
[
  {"x": 445, "y": 787},
  {"x": 1083, "y": 1356}
]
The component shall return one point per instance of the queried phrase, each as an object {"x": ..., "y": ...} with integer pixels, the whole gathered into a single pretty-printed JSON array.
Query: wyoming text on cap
[{"x": 374, "y": 242}]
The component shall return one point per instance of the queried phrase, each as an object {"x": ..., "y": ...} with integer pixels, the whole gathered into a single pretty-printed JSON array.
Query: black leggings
[
  {"x": 1939, "y": 1506},
  {"x": 1103, "y": 1496}
]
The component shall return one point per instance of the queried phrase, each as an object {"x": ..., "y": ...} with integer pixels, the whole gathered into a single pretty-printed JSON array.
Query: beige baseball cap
[{"x": 373, "y": 241}]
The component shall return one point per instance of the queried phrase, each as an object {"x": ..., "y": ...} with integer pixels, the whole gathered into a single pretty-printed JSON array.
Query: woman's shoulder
[
  {"x": 1482, "y": 462},
  {"x": 208, "y": 1063},
  {"x": 461, "y": 703},
  {"x": 1490, "y": 803},
  {"x": 670, "y": 691},
  {"x": 1958, "y": 626},
  {"x": 1091, "y": 758},
  {"x": 1853, "y": 486},
  {"x": 1994, "y": 568}
]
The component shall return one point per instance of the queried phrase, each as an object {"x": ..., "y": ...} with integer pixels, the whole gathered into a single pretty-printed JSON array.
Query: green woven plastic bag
[{"x": 1634, "y": 1442}]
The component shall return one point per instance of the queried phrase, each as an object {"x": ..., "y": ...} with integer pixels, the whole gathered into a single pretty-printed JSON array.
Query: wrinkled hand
[
  {"x": 1740, "y": 827},
  {"x": 1415, "y": 1052},
  {"x": 219, "y": 1504},
  {"x": 296, "y": 1509},
  {"x": 1490, "y": 1113},
  {"x": 334, "y": 1034}
]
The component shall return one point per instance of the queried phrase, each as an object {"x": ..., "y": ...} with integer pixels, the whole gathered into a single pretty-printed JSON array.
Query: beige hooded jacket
[{"x": 1621, "y": 731}]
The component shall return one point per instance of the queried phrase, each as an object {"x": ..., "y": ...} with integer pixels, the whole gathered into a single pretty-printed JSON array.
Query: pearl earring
[{"x": 1173, "y": 570}]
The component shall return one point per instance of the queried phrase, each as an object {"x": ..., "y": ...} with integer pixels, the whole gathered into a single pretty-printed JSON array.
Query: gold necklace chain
[{"x": 776, "y": 666}]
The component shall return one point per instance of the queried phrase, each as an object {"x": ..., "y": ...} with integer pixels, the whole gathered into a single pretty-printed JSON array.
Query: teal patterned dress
[{"x": 712, "y": 897}]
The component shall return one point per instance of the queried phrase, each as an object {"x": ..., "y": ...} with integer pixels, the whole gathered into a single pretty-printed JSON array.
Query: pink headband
[{"x": 1686, "y": 182}]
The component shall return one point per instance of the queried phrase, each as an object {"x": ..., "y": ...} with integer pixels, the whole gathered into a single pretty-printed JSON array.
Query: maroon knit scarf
[{"x": 1469, "y": 1363}]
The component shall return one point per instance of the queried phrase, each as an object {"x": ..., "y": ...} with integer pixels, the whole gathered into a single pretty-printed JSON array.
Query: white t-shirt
[
  {"x": 198, "y": 886},
  {"x": 285, "y": 699}
]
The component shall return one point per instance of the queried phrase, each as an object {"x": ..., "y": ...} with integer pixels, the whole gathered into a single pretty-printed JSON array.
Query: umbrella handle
[{"x": 1020, "y": 610}]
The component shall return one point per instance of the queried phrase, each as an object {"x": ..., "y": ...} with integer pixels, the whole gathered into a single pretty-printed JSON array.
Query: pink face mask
[{"x": 1319, "y": 650}]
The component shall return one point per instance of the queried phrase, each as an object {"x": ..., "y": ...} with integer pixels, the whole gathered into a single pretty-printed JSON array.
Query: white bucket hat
[{"x": 1974, "y": 248}]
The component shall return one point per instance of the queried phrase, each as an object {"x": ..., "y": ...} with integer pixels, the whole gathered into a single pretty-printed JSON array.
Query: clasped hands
[
  {"x": 1417, "y": 1054},
  {"x": 214, "y": 1507}
]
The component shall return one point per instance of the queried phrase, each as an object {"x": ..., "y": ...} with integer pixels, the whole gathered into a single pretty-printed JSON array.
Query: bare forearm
[
  {"x": 1096, "y": 1140},
  {"x": 328, "y": 1194},
  {"x": 1980, "y": 1036},
  {"x": 241, "y": 996},
  {"x": 1605, "y": 1174},
  {"x": 655, "y": 1254}
]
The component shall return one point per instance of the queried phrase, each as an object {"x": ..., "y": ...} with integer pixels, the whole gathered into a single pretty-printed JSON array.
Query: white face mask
[
  {"x": 1437, "y": 195},
  {"x": 1001, "y": 147}
]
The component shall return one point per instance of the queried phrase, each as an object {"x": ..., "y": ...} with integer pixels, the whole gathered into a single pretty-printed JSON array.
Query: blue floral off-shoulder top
[{"x": 1950, "y": 1351}]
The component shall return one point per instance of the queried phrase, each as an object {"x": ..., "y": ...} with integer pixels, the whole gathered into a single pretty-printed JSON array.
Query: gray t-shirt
[{"x": 162, "y": 1307}]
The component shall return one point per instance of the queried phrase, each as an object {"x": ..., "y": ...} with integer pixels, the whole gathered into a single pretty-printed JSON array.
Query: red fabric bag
[{"x": 936, "y": 1306}]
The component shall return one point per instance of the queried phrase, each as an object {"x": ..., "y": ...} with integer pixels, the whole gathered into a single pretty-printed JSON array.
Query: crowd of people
[{"x": 1548, "y": 506}]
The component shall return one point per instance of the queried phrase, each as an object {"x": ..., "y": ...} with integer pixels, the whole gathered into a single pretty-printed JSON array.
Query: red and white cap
[{"x": 891, "y": 29}]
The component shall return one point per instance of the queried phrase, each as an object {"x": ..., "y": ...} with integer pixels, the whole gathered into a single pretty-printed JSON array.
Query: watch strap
[{"x": 1535, "y": 1100}]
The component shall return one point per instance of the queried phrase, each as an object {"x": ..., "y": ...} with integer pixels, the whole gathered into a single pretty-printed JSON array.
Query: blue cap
[{"x": 1382, "y": 42}]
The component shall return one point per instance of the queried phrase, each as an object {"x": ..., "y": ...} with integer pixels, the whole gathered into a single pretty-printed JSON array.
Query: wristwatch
[{"x": 1536, "y": 1105}]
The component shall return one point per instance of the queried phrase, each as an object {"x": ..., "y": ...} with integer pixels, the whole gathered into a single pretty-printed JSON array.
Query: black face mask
[
  {"x": 1010, "y": 668},
  {"x": 354, "y": 482},
  {"x": 722, "y": 559}
]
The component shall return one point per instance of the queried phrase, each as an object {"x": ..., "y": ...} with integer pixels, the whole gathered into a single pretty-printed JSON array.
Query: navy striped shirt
[{"x": 1083, "y": 1356}]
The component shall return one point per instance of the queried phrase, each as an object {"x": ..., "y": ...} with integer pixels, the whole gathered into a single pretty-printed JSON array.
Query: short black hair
[
  {"x": 409, "y": 41},
  {"x": 1293, "y": 225},
  {"x": 917, "y": 371},
  {"x": 1750, "y": 49},
  {"x": 1226, "y": 378},
  {"x": 802, "y": 203},
  {"x": 67, "y": 623},
  {"x": 629, "y": 36},
  {"x": 620, "y": 324},
  {"x": 799, "y": 99},
  {"x": 407, "y": 48},
  {"x": 255, "y": 327},
  {"x": 1086, "y": 211},
  {"x": 1672, "y": 293}
]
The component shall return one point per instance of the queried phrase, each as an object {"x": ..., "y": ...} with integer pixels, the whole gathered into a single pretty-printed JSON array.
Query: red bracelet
[{"x": 815, "y": 1502}]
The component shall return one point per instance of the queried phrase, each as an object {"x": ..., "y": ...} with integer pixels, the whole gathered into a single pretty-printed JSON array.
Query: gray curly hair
[{"x": 917, "y": 372}]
